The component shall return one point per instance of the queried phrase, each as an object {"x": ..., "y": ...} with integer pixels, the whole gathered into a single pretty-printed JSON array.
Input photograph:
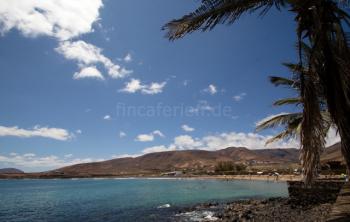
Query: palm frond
[
  {"x": 288, "y": 101},
  {"x": 212, "y": 12},
  {"x": 322, "y": 76},
  {"x": 278, "y": 120},
  {"x": 312, "y": 130},
  {"x": 284, "y": 135},
  {"x": 277, "y": 81}
]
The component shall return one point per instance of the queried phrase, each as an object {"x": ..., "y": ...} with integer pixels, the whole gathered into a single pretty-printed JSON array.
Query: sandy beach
[{"x": 254, "y": 177}]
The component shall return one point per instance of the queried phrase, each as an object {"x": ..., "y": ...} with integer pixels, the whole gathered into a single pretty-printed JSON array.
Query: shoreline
[
  {"x": 215, "y": 177},
  {"x": 254, "y": 177},
  {"x": 255, "y": 209},
  {"x": 302, "y": 205},
  {"x": 283, "y": 178}
]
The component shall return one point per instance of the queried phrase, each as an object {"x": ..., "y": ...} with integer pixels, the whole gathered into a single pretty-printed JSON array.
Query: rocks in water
[
  {"x": 258, "y": 210},
  {"x": 274, "y": 209},
  {"x": 321, "y": 191}
]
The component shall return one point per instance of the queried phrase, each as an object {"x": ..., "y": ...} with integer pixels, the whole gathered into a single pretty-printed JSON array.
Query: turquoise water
[{"x": 119, "y": 199}]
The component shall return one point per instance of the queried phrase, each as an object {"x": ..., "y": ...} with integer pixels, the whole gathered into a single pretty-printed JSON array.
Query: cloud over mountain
[{"x": 36, "y": 131}]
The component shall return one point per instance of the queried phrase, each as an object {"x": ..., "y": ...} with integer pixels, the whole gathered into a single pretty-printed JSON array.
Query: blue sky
[{"x": 67, "y": 74}]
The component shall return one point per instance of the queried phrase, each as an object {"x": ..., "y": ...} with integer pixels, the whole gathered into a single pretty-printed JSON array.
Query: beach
[
  {"x": 253, "y": 177},
  {"x": 284, "y": 177}
]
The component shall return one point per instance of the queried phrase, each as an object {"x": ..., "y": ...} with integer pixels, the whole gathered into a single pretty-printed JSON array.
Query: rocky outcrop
[{"x": 319, "y": 192}]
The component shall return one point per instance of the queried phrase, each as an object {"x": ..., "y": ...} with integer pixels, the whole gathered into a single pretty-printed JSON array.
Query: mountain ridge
[
  {"x": 10, "y": 171},
  {"x": 183, "y": 160},
  {"x": 190, "y": 161}
]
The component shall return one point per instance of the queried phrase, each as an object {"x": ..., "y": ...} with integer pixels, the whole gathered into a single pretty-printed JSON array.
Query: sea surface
[{"x": 121, "y": 199}]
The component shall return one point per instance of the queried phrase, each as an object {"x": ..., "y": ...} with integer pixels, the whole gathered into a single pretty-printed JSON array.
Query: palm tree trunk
[
  {"x": 338, "y": 104},
  {"x": 341, "y": 115},
  {"x": 345, "y": 143},
  {"x": 331, "y": 61}
]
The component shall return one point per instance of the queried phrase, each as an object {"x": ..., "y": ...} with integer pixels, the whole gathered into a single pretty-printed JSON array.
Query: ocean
[{"x": 91, "y": 200}]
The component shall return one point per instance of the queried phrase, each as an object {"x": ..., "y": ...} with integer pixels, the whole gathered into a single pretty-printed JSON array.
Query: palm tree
[
  {"x": 320, "y": 27},
  {"x": 293, "y": 122},
  {"x": 290, "y": 121}
]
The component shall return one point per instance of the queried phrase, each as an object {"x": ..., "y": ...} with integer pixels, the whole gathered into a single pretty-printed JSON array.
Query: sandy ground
[{"x": 251, "y": 177}]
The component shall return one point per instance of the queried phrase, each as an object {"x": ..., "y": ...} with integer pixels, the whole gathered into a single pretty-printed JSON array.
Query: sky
[{"x": 93, "y": 80}]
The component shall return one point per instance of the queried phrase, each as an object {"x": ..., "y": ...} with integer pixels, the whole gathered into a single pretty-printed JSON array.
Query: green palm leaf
[
  {"x": 288, "y": 101},
  {"x": 277, "y": 81},
  {"x": 212, "y": 12},
  {"x": 284, "y": 135},
  {"x": 278, "y": 120},
  {"x": 321, "y": 77}
]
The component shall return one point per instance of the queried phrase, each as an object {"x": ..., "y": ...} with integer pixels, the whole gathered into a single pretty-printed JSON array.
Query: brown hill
[
  {"x": 190, "y": 160},
  {"x": 186, "y": 159},
  {"x": 10, "y": 171}
]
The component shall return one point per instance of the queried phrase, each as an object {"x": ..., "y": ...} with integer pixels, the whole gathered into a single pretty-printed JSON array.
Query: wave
[
  {"x": 164, "y": 206},
  {"x": 198, "y": 216}
]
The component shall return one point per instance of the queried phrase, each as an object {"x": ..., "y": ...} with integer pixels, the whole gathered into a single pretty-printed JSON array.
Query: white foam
[
  {"x": 163, "y": 206},
  {"x": 199, "y": 216}
]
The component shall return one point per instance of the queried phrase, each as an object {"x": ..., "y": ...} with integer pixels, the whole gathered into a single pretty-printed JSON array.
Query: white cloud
[
  {"x": 125, "y": 156},
  {"x": 127, "y": 58},
  {"x": 135, "y": 85},
  {"x": 79, "y": 131},
  {"x": 185, "y": 83},
  {"x": 68, "y": 155},
  {"x": 249, "y": 140},
  {"x": 149, "y": 137},
  {"x": 88, "y": 72},
  {"x": 232, "y": 139},
  {"x": 107, "y": 117},
  {"x": 62, "y": 19},
  {"x": 187, "y": 128},
  {"x": 332, "y": 137},
  {"x": 211, "y": 89},
  {"x": 158, "y": 133},
  {"x": 122, "y": 134},
  {"x": 155, "y": 149},
  {"x": 87, "y": 55},
  {"x": 145, "y": 138},
  {"x": 202, "y": 106},
  {"x": 29, "y": 155},
  {"x": 221, "y": 141},
  {"x": 32, "y": 162},
  {"x": 153, "y": 88},
  {"x": 37, "y": 131},
  {"x": 186, "y": 142},
  {"x": 239, "y": 97}
]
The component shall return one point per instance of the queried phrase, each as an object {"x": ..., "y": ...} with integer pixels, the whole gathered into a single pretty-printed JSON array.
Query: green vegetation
[{"x": 229, "y": 167}]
